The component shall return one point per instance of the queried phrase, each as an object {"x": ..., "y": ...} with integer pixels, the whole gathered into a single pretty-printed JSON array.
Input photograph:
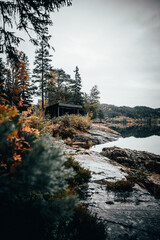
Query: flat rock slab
[
  {"x": 128, "y": 215},
  {"x": 100, "y": 167}
]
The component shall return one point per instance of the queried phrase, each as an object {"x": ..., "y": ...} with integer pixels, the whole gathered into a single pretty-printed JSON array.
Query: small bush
[
  {"x": 39, "y": 122},
  {"x": 68, "y": 141},
  {"x": 80, "y": 122},
  {"x": 81, "y": 175},
  {"x": 121, "y": 185},
  {"x": 137, "y": 176},
  {"x": 89, "y": 144},
  {"x": 83, "y": 226},
  {"x": 68, "y": 125}
]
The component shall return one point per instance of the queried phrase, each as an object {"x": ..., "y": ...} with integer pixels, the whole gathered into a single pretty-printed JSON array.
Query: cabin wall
[{"x": 55, "y": 111}]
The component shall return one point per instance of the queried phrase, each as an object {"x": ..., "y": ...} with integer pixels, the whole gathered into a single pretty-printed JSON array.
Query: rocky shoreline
[
  {"x": 134, "y": 161},
  {"x": 97, "y": 134},
  {"x": 138, "y": 162},
  {"x": 128, "y": 215}
]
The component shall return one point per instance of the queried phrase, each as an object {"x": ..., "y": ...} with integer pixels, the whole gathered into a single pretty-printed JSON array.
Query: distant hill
[{"x": 111, "y": 111}]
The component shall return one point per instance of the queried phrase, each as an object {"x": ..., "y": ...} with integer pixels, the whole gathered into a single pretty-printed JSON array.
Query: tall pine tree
[
  {"x": 76, "y": 88},
  {"x": 42, "y": 69}
]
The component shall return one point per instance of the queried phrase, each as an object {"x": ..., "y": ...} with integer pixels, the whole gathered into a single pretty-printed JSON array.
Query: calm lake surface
[{"x": 146, "y": 138}]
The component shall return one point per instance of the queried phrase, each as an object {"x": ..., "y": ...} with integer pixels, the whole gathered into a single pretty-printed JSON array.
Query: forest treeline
[
  {"x": 139, "y": 112},
  {"x": 18, "y": 83}
]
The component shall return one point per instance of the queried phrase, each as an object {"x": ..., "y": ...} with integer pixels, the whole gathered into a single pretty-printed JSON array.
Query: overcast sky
[{"x": 115, "y": 44}]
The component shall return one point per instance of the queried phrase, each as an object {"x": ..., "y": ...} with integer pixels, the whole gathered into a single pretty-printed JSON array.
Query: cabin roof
[{"x": 65, "y": 105}]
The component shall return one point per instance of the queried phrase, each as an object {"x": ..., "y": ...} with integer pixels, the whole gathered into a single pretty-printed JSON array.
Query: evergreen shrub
[{"x": 81, "y": 175}]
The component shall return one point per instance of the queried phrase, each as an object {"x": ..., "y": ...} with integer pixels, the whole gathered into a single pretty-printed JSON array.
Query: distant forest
[{"x": 111, "y": 111}]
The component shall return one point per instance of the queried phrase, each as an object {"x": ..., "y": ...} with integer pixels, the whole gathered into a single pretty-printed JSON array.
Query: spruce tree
[
  {"x": 42, "y": 69},
  {"x": 94, "y": 100},
  {"x": 76, "y": 88}
]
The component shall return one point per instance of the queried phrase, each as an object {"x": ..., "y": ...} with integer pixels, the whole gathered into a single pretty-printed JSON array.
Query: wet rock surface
[
  {"x": 139, "y": 159},
  {"x": 97, "y": 134},
  {"x": 128, "y": 215}
]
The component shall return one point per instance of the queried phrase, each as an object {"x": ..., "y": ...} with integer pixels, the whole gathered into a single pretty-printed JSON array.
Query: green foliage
[
  {"x": 83, "y": 226},
  {"x": 82, "y": 175}
]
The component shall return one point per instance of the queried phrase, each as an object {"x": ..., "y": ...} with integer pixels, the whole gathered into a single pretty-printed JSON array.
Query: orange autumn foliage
[
  {"x": 18, "y": 79},
  {"x": 16, "y": 139}
]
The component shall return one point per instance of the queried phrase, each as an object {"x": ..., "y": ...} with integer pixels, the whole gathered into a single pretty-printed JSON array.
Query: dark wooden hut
[{"x": 60, "y": 109}]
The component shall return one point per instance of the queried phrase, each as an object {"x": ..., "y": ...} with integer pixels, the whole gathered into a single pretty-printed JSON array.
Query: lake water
[{"x": 136, "y": 138}]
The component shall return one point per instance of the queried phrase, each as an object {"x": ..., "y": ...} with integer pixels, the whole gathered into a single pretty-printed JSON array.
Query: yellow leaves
[
  {"x": 28, "y": 112},
  {"x": 16, "y": 139},
  {"x": 38, "y": 121},
  {"x": 28, "y": 129},
  {"x": 7, "y": 112},
  {"x": 56, "y": 126}
]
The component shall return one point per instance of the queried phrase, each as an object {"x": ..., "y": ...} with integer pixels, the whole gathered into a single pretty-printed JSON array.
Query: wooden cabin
[{"x": 60, "y": 109}]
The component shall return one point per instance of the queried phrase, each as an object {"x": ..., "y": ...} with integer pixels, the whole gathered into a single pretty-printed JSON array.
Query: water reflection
[
  {"x": 141, "y": 138},
  {"x": 138, "y": 131}
]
